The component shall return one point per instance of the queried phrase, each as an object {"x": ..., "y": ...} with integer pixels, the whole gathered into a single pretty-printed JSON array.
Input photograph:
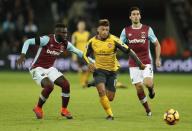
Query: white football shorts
[
  {"x": 40, "y": 73},
  {"x": 138, "y": 75}
]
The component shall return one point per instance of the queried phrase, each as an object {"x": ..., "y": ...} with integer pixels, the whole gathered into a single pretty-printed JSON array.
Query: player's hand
[
  {"x": 91, "y": 67},
  {"x": 21, "y": 60},
  {"x": 142, "y": 67},
  {"x": 158, "y": 62}
]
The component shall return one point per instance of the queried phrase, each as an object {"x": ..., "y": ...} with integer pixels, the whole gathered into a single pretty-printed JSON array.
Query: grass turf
[{"x": 19, "y": 93}]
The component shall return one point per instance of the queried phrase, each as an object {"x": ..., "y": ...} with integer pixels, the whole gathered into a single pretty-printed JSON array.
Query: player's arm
[
  {"x": 79, "y": 53},
  {"x": 123, "y": 37},
  {"x": 155, "y": 41},
  {"x": 87, "y": 54},
  {"x": 42, "y": 41},
  {"x": 124, "y": 48}
]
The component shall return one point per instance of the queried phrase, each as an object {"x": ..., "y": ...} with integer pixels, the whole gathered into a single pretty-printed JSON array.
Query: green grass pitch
[{"x": 19, "y": 93}]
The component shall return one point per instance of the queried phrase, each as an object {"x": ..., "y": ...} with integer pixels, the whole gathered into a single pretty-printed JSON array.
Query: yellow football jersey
[
  {"x": 81, "y": 39},
  {"x": 105, "y": 52}
]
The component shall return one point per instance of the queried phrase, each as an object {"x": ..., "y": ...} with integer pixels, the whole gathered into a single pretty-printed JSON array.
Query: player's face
[
  {"x": 103, "y": 31},
  {"x": 135, "y": 16},
  {"x": 81, "y": 26},
  {"x": 61, "y": 34}
]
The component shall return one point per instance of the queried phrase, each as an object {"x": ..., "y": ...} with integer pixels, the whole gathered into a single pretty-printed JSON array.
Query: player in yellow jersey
[
  {"x": 104, "y": 46},
  {"x": 80, "y": 39}
]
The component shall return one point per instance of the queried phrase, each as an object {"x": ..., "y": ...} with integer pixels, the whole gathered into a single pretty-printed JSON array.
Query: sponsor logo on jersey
[
  {"x": 129, "y": 34},
  {"x": 53, "y": 52},
  {"x": 134, "y": 41},
  {"x": 143, "y": 35}
]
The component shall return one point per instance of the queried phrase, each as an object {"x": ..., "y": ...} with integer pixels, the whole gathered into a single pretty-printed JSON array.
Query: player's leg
[
  {"x": 136, "y": 78},
  {"x": 142, "y": 97},
  {"x": 65, "y": 89},
  {"x": 40, "y": 76},
  {"x": 47, "y": 86},
  {"x": 86, "y": 77},
  {"x": 148, "y": 80},
  {"x": 100, "y": 80},
  {"x": 84, "y": 73},
  {"x": 110, "y": 95},
  {"x": 110, "y": 85},
  {"x": 57, "y": 78},
  {"x": 46, "y": 91}
]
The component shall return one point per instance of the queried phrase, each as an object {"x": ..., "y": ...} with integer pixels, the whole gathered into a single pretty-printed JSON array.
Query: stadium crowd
[
  {"x": 182, "y": 10},
  {"x": 19, "y": 21}
]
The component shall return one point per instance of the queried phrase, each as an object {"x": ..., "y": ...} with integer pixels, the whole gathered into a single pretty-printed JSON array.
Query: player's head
[
  {"x": 60, "y": 32},
  {"x": 135, "y": 15},
  {"x": 103, "y": 28},
  {"x": 81, "y": 25}
]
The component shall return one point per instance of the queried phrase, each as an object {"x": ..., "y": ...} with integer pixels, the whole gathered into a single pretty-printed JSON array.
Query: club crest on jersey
[
  {"x": 110, "y": 45},
  {"x": 143, "y": 35}
]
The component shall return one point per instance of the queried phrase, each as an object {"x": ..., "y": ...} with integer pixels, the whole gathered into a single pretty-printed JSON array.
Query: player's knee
[
  {"x": 139, "y": 86},
  {"x": 47, "y": 84},
  {"x": 148, "y": 82},
  {"x": 101, "y": 92},
  {"x": 111, "y": 98}
]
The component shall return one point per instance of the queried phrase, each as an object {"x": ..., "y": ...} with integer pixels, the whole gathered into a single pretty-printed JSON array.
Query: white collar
[
  {"x": 137, "y": 27},
  {"x": 55, "y": 39}
]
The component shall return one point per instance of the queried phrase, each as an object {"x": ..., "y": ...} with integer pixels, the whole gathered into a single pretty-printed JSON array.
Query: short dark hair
[
  {"x": 60, "y": 25},
  {"x": 104, "y": 22},
  {"x": 134, "y": 8}
]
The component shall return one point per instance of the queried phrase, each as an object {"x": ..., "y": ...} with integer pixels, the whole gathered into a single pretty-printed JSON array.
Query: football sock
[
  {"x": 106, "y": 105},
  {"x": 65, "y": 95},
  {"x": 44, "y": 95},
  {"x": 143, "y": 99},
  {"x": 65, "y": 99}
]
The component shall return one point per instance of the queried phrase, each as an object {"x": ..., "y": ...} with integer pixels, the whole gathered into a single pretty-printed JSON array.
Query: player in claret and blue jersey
[
  {"x": 42, "y": 70},
  {"x": 138, "y": 37}
]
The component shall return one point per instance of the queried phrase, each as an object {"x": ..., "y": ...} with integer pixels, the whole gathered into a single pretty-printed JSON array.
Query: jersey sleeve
[
  {"x": 89, "y": 49},
  {"x": 79, "y": 53},
  {"x": 120, "y": 45},
  {"x": 123, "y": 37},
  {"x": 42, "y": 41},
  {"x": 73, "y": 49},
  {"x": 151, "y": 35}
]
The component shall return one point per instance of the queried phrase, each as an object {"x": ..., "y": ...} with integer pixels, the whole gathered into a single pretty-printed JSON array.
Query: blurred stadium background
[{"x": 171, "y": 21}]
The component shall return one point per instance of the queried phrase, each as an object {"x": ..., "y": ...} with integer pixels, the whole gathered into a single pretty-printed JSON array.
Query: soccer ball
[{"x": 171, "y": 117}]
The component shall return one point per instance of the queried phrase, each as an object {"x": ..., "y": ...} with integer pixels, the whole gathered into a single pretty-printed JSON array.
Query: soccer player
[
  {"x": 104, "y": 46},
  {"x": 80, "y": 39},
  {"x": 42, "y": 70},
  {"x": 138, "y": 37}
]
